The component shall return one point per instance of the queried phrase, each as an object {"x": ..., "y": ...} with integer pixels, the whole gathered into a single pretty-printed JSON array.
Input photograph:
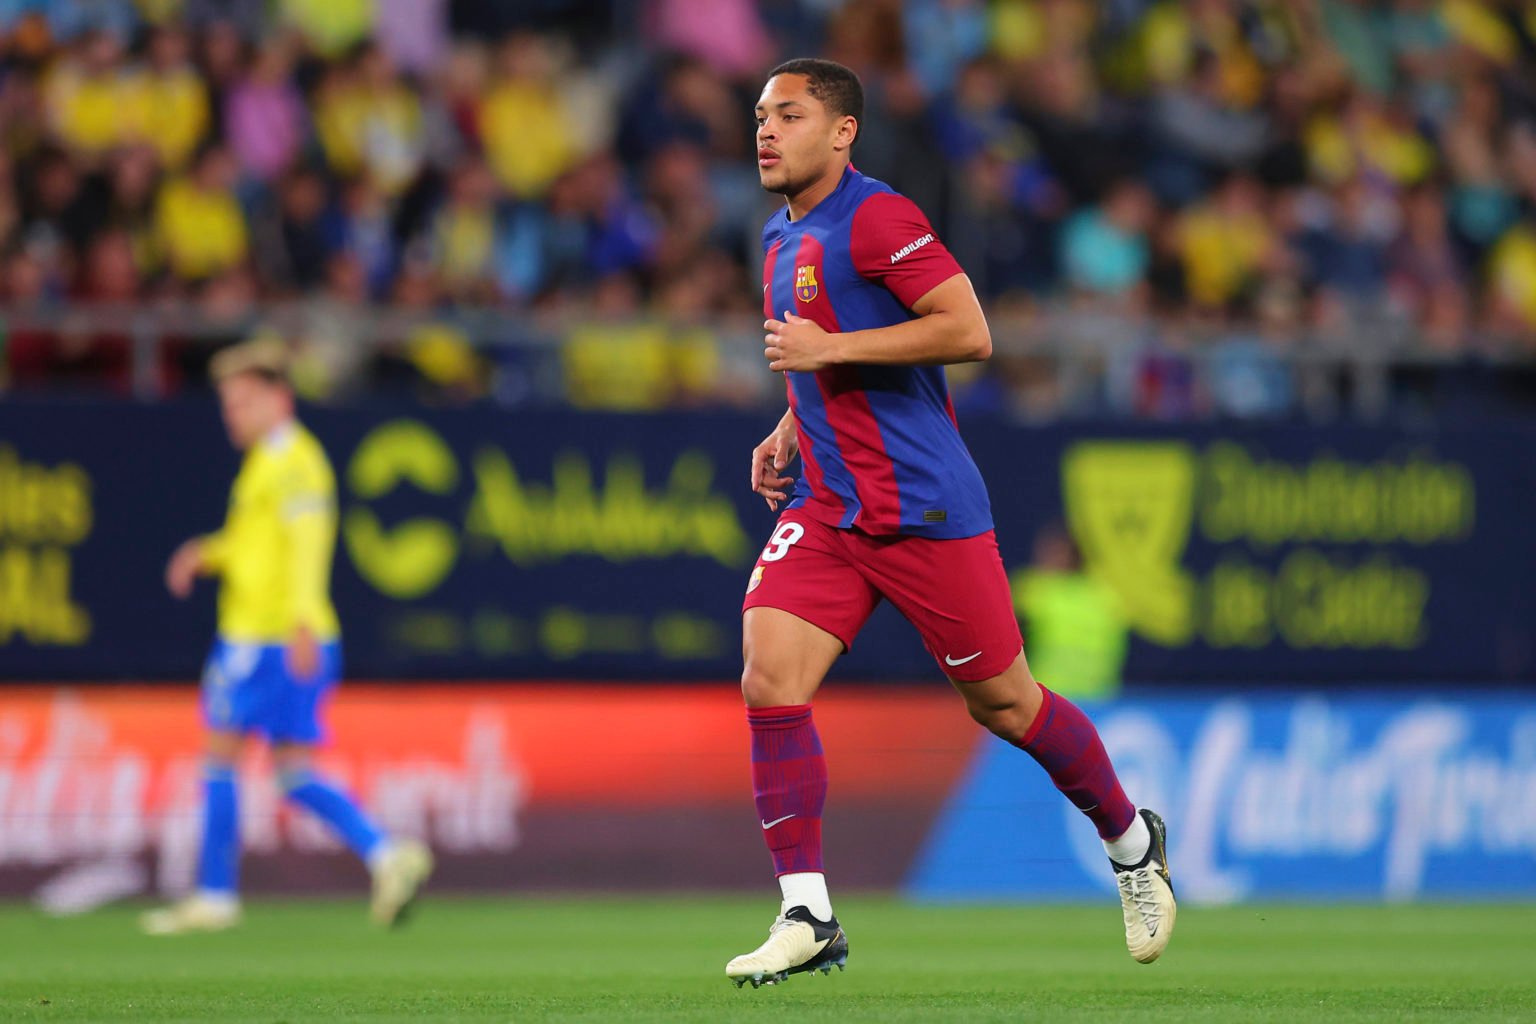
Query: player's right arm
[
  {"x": 193, "y": 558},
  {"x": 891, "y": 244},
  {"x": 769, "y": 458}
]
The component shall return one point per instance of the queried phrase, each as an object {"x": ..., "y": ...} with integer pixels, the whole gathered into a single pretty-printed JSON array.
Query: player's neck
[
  {"x": 807, "y": 200},
  {"x": 279, "y": 431}
]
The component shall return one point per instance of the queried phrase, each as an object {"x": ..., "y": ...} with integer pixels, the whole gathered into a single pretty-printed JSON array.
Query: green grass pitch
[{"x": 633, "y": 960}]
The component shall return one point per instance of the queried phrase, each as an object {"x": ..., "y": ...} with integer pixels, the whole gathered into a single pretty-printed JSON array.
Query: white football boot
[
  {"x": 197, "y": 913},
  {"x": 1146, "y": 896},
  {"x": 397, "y": 877},
  {"x": 797, "y": 943}
]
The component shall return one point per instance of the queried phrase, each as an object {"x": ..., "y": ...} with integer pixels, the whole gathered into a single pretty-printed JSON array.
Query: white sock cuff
[
  {"x": 376, "y": 855},
  {"x": 222, "y": 897},
  {"x": 1131, "y": 847},
  {"x": 807, "y": 889}
]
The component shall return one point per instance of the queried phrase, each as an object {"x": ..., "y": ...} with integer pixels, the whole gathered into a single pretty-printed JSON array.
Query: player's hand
[
  {"x": 777, "y": 451},
  {"x": 796, "y": 343},
  {"x": 181, "y": 571},
  {"x": 303, "y": 654}
]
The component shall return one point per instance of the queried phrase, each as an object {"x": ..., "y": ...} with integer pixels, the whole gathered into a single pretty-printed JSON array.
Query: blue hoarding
[
  {"x": 477, "y": 543},
  {"x": 1357, "y": 797}
]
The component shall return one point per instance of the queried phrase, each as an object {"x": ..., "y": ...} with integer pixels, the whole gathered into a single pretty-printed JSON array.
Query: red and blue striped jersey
[{"x": 879, "y": 446}]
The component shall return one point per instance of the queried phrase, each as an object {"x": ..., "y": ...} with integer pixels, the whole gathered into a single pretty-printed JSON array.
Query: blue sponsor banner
[
  {"x": 1364, "y": 798},
  {"x": 477, "y": 543}
]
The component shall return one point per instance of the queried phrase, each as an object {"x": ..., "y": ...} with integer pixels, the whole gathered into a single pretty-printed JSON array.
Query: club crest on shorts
[
  {"x": 757, "y": 577},
  {"x": 805, "y": 283}
]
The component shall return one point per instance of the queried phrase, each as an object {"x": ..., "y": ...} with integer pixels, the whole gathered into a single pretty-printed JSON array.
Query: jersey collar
[
  {"x": 280, "y": 436},
  {"x": 848, "y": 174}
]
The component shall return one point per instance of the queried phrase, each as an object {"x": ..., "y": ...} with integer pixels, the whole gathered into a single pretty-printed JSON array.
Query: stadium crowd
[{"x": 1213, "y": 185}]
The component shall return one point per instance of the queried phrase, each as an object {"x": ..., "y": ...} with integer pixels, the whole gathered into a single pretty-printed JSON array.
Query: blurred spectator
[
  {"x": 1482, "y": 204},
  {"x": 84, "y": 93},
  {"x": 1165, "y": 382},
  {"x": 200, "y": 224},
  {"x": 330, "y": 27},
  {"x": 682, "y": 101},
  {"x": 367, "y": 118},
  {"x": 27, "y": 286},
  {"x": 224, "y": 59},
  {"x": 1249, "y": 372},
  {"x": 1421, "y": 46},
  {"x": 1225, "y": 241},
  {"x": 10, "y": 209},
  {"x": 165, "y": 104},
  {"x": 1359, "y": 33},
  {"x": 309, "y": 231},
  {"x": 55, "y": 205},
  {"x": 447, "y": 362},
  {"x": 247, "y": 19},
  {"x": 623, "y": 363},
  {"x": 1104, "y": 248},
  {"x": 264, "y": 115},
  {"x": 522, "y": 123},
  {"x": 1348, "y": 245},
  {"x": 1203, "y": 131},
  {"x": 728, "y": 35},
  {"x": 414, "y": 33},
  {"x": 367, "y": 232},
  {"x": 331, "y": 357},
  {"x": 1512, "y": 266},
  {"x": 973, "y": 113},
  {"x": 65, "y": 20},
  {"x": 133, "y": 179},
  {"x": 24, "y": 118},
  {"x": 111, "y": 272},
  {"x": 82, "y": 354},
  {"x": 464, "y": 234},
  {"x": 1422, "y": 261},
  {"x": 942, "y": 36},
  {"x": 459, "y": 86},
  {"x": 1073, "y": 621},
  {"x": 1368, "y": 137},
  {"x": 1085, "y": 144}
]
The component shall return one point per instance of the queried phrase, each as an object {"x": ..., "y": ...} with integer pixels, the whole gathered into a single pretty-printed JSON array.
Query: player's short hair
[
  {"x": 836, "y": 86},
  {"x": 265, "y": 358}
]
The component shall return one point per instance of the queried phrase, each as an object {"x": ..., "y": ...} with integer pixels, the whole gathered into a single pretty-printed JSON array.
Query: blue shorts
[{"x": 247, "y": 688}]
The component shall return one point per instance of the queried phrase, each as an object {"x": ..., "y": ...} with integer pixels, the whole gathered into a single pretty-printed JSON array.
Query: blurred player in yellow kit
[{"x": 278, "y": 651}]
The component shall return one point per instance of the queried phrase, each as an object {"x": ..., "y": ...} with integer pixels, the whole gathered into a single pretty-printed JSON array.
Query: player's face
[
  {"x": 252, "y": 407},
  {"x": 797, "y": 138}
]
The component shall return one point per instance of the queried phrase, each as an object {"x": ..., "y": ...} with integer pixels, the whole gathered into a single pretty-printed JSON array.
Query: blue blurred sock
[
  {"x": 218, "y": 866},
  {"x": 336, "y": 809}
]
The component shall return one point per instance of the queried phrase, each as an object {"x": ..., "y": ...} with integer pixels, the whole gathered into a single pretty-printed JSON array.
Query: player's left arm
[
  {"x": 893, "y": 245},
  {"x": 309, "y": 520}
]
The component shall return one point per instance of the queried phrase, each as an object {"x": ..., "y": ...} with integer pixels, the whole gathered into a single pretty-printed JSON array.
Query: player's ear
[{"x": 847, "y": 131}]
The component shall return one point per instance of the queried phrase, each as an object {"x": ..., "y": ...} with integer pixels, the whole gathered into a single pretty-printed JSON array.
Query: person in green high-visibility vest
[{"x": 1075, "y": 632}]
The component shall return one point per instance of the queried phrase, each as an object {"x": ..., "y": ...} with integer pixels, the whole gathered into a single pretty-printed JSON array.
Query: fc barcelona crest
[{"x": 805, "y": 283}]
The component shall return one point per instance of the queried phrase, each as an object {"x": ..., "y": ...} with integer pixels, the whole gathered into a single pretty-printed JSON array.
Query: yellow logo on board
[
  {"x": 1130, "y": 505},
  {"x": 411, "y": 558}
]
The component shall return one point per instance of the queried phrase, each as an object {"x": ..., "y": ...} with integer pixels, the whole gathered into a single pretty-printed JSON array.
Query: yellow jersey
[{"x": 273, "y": 555}]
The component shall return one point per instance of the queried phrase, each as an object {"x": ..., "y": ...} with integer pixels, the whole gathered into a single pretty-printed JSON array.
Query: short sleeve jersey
[
  {"x": 274, "y": 553},
  {"x": 879, "y": 445}
]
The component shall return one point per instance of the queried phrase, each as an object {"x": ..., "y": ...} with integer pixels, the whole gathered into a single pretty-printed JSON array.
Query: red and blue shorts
[{"x": 954, "y": 591}]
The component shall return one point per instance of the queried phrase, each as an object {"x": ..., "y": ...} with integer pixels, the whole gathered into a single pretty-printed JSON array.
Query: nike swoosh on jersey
[
  {"x": 769, "y": 824},
  {"x": 961, "y": 661}
]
